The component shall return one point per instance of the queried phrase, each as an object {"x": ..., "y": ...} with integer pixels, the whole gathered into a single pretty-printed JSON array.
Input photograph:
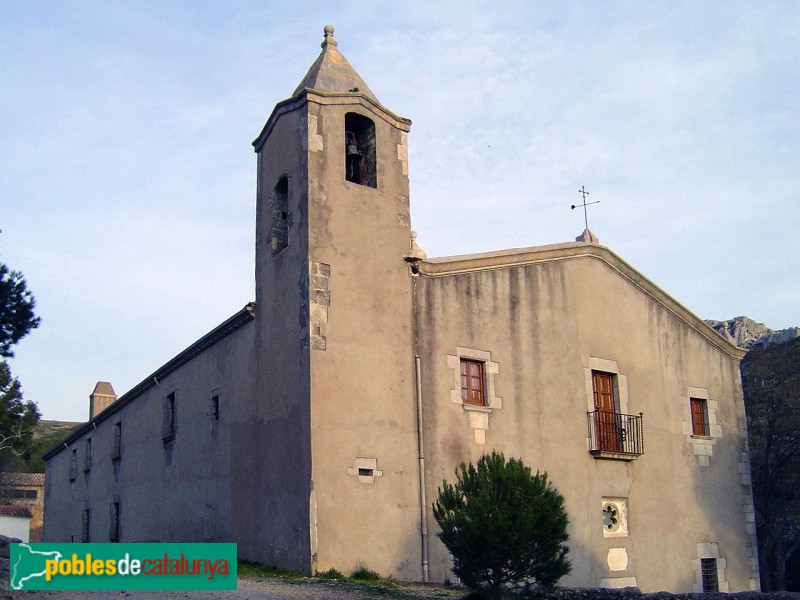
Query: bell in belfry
[{"x": 353, "y": 153}]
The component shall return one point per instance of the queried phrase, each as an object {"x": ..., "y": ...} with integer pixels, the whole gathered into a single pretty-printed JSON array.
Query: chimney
[{"x": 101, "y": 398}]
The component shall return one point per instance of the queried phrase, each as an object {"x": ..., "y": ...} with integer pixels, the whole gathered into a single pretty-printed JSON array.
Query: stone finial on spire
[{"x": 328, "y": 31}]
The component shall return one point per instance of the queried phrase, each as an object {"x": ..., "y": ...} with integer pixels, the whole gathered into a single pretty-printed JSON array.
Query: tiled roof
[
  {"x": 30, "y": 479},
  {"x": 7, "y": 510}
]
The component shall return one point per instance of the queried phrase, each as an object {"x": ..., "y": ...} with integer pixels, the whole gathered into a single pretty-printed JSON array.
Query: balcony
[{"x": 615, "y": 436}]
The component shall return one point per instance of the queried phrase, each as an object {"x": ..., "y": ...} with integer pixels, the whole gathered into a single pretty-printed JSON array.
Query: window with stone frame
[
  {"x": 699, "y": 410},
  {"x": 708, "y": 573},
  {"x": 473, "y": 382},
  {"x": 606, "y": 419},
  {"x": 359, "y": 150}
]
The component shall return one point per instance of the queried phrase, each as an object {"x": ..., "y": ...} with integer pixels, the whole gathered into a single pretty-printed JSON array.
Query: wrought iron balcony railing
[{"x": 615, "y": 435}]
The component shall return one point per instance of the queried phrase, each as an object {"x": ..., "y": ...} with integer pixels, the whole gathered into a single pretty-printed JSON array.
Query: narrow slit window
[
  {"x": 279, "y": 215},
  {"x": 215, "y": 408},
  {"x": 359, "y": 150},
  {"x": 73, "y": 465},
  {"x": 116, "y": 451},
  {"x": 86, "y": 525},
  {"x": 113, "y": 534},
  {"x": 168, "y": 429},
  {"x": 87, "y": 463}
]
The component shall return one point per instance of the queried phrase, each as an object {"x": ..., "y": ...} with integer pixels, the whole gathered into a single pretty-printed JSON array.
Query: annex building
[{"x": 314, "y": 426}]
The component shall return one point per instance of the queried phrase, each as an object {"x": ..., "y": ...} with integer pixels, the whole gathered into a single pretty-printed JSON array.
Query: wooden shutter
[
  {"x": 603, "y": 388},
  {"x": 472, "y": 382},
  {"x": 699, "y": 424},
  {"x": 607, "y": 425}
]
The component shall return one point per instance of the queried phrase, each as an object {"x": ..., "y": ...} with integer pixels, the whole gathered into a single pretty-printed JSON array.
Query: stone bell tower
[{"x": 335, "y": 305}]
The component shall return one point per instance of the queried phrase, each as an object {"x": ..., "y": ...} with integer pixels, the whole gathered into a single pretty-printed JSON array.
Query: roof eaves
[{"x": 220, "y": 332}]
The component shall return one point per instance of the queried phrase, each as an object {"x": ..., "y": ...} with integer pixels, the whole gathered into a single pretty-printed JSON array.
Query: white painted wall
[{"x": 16, "y": 527}]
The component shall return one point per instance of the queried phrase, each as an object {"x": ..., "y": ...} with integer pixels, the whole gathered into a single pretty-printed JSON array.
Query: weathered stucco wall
[
  {"x": 366, "y": 485},
  {"x": 171, "y": 491},
  {"x": 273, "y": 453},
  {"x": 546, "y": 325},
  {"x": 15, "y": 527}
]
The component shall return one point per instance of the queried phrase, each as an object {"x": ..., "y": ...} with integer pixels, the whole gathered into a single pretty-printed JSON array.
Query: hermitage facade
[{"x": 314, "y": 426}]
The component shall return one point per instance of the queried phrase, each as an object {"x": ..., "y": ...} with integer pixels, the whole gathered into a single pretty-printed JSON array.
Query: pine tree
[
  {"x": 505, "y": 528},
  {"x": 17, "y": 417},
  {"x": 17, "y": 319},
  {"x": 16, "y": 310}
]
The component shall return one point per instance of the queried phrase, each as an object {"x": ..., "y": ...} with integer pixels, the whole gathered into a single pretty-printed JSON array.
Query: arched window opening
[
  {"x": 359, "y": 150},
  {"x": 279, "y": 212}
]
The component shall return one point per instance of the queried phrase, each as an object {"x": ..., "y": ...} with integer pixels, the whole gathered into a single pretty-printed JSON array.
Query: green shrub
[
  {"x": 364, "y": 574},
  {"x": 506, "y": 528},
  {"x": 330, "y": 574}
]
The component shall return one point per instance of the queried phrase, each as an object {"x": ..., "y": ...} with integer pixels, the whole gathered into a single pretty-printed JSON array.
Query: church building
[{"x": 314, "y": 426}]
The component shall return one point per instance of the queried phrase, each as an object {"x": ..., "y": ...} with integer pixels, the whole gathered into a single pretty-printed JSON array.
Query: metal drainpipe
[{"x": 423, "y": 503}]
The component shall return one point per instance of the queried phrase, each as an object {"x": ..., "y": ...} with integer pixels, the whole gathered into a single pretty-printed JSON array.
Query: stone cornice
[{"x": 328, "y": 98}]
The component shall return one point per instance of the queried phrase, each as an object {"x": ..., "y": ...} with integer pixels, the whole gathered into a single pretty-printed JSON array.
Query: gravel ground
[{"x": 252, "y": 588}]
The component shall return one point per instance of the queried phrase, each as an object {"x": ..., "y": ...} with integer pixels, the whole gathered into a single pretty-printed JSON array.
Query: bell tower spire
[{"x": 332, "y": 73}]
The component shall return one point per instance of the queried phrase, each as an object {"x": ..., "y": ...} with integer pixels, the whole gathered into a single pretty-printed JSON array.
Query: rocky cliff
[{"x": 746, "y": 333}]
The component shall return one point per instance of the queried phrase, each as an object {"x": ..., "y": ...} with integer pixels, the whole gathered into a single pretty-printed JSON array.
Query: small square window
[
  {"x": 699, "y": 409},
  {"x": 473, "y": 389}
]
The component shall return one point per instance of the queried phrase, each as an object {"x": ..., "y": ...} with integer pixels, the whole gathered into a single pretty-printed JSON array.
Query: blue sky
[{"x": 127, "y": 179}]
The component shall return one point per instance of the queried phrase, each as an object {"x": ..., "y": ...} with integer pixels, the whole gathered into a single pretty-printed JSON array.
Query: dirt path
[{"x": 252, "y": 588}]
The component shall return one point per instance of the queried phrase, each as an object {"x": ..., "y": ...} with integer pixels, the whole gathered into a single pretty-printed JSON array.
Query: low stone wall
[{"x": 635, "y": 594}]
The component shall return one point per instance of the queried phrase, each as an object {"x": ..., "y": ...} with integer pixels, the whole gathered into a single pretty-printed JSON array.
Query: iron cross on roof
[{"x": 584, "y": 193}]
